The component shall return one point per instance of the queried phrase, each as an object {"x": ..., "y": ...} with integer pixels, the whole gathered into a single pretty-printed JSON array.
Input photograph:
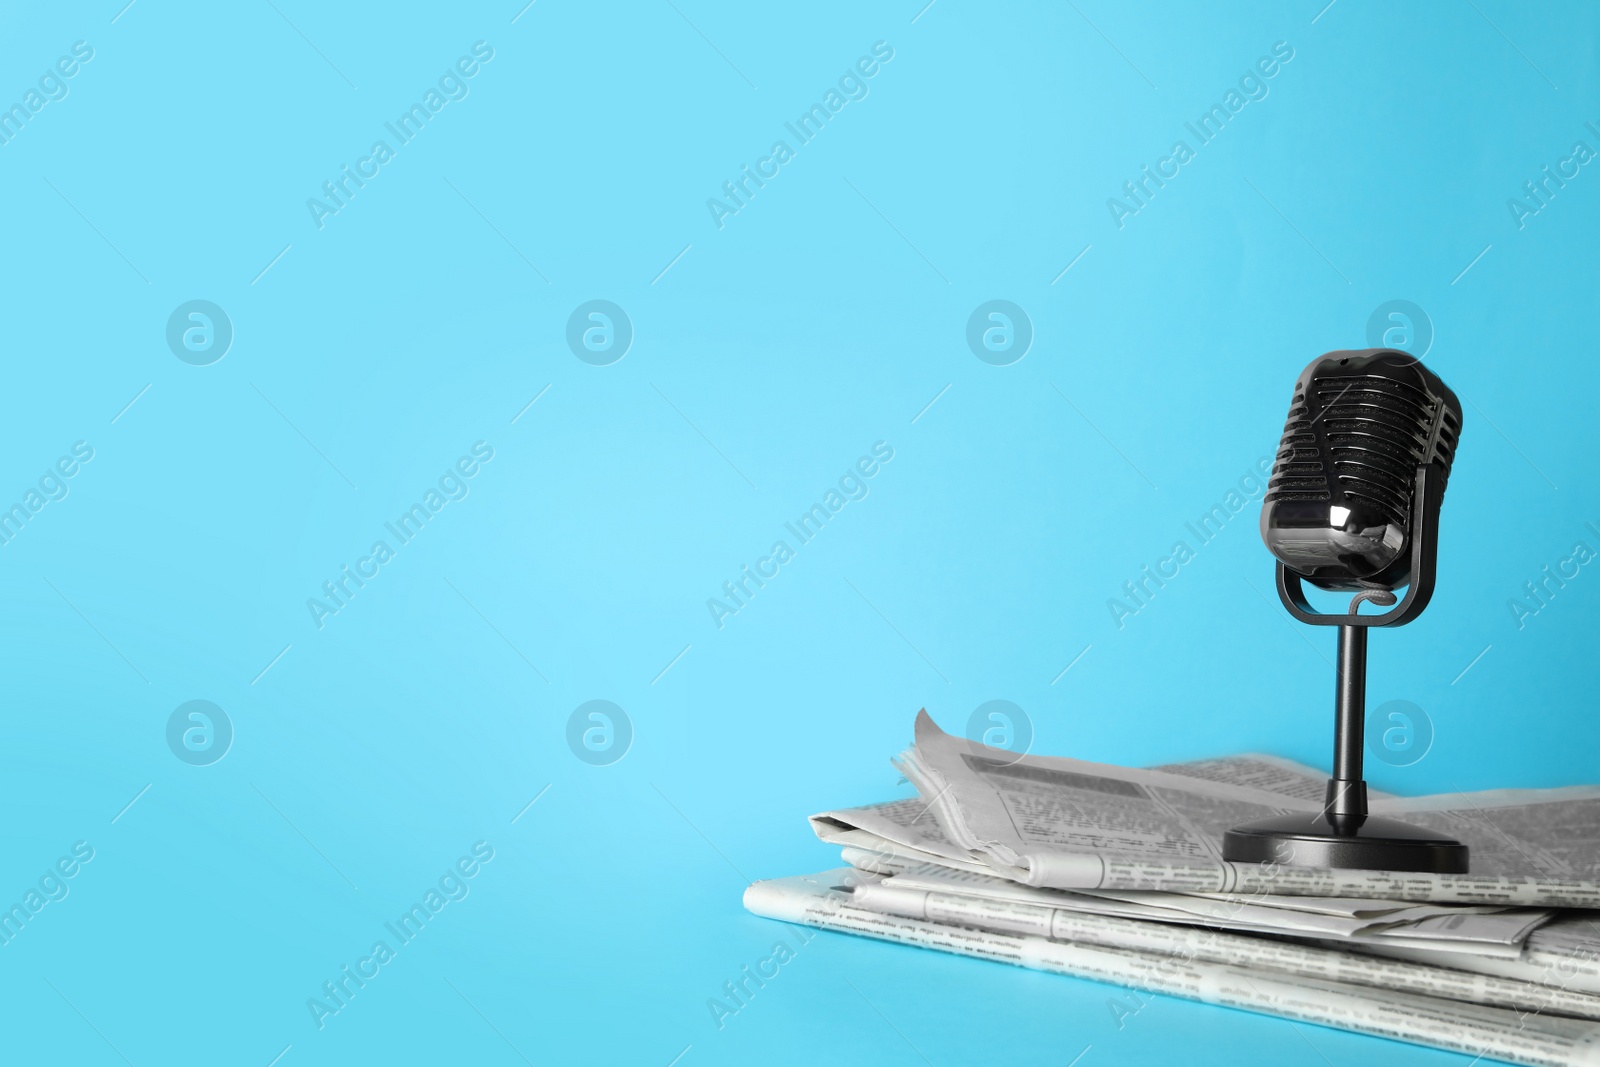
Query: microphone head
[{"x": 1339, "y": 510}]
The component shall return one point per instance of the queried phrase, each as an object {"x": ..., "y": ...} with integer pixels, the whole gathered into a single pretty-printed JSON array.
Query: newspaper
[
  {"x": 1069, "y": 824},
  {"x": 1502, "y": 933},
  {"x": 1114, "y": 874},
  {"x": 902, "y": 835},
  {"x": 955, "y": 902},
  {"x": 1527, "y": 1032}
]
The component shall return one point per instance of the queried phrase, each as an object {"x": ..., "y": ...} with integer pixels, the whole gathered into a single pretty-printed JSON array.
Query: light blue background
[{"x": 822, "y": 318}]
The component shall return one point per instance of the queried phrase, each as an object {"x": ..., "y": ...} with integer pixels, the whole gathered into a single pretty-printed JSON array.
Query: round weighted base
[{"x": 1372, "y": 845}]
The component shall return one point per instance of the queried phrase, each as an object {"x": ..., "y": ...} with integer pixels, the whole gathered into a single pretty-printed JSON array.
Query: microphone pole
[{"x": 1347, "y": 792}]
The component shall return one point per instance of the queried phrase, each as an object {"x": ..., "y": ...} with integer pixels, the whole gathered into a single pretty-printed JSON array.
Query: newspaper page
[
  {"x": 897, "y": 836},
  {"x": 904, "y": 828},
  {"x": 1272, "y": 774},
  {"x": 906, "y": 831},
  {"x": 1538, "y": 1040},
  {"x": 1565, "y": 950},
  {"x": 1070, "y": 824},
  {"x": 1498, "y": 933},
  {"x": 1488, "y": 923},
  {"x": 954, "y": 905}
]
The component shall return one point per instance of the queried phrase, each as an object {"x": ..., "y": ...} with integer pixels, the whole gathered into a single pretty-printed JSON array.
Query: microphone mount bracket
[{"x": 1426, "y": 497}]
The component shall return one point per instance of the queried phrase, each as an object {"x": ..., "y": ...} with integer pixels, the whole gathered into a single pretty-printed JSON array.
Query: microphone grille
[{"x": 1359, "y": 426}]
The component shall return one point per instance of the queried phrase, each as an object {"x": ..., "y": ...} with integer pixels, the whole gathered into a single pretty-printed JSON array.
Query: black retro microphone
[{"x": 1353, "y": 506}]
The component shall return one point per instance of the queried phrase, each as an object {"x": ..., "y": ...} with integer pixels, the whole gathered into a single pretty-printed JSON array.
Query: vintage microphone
[{"x": 1353, "y": 505}]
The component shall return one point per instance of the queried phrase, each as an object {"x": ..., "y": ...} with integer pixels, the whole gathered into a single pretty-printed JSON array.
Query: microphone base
[{"x": 1369, "y": 844}]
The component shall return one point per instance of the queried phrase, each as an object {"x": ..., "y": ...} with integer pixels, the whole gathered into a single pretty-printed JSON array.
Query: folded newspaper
[{"x": 1116, "y": 874}]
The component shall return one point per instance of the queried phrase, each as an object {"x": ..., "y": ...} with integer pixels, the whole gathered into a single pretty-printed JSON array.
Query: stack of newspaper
[{"x": 1116, "y": 874}]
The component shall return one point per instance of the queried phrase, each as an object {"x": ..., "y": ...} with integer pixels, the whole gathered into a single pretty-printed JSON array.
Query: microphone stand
[{"x": 1343, "y": 834}]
